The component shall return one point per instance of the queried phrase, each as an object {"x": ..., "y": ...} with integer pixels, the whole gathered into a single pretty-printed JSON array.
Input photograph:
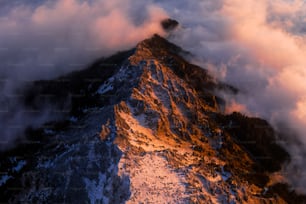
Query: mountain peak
[
  {"x": 148, "y": 128},
  {"x": 157, "y": 44},
  {"x": 169, "y": 24}
]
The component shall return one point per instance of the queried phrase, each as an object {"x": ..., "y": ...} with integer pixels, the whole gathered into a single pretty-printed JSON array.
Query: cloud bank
[
  {"x": 45, "y": 39},
  {"x": 60, "y": 36},
  {"x": 259, "y": 47}
]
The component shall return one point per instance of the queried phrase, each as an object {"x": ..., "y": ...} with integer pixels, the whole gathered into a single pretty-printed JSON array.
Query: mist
[
  {"x": 45, "y": 39},
  {"x": 257, "y": 46},
  {"x": 57, "y": 37}
]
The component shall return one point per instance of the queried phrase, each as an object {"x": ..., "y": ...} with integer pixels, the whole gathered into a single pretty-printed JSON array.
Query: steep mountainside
[{"x": 145, "y": 126}]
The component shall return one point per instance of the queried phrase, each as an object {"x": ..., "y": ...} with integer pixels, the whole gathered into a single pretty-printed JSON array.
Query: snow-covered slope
[{"x": 149, "y": 129}]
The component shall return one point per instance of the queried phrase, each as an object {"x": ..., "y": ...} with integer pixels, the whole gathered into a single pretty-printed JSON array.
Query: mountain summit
[{"x": 145, "y": 126}]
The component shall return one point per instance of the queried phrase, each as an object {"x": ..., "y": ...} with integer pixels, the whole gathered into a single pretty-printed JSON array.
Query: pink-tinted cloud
[
  {"x": 281, "y": 55},
  {"x": 52, "y": 38},
  {"x": 67, "y": 32},
  {"x": 259, "y": 47}
]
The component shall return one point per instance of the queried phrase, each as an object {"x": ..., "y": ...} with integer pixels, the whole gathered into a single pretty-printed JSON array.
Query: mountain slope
[{"x": 145, "y": 127}]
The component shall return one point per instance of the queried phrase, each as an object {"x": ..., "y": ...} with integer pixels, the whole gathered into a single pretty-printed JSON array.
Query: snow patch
[
  {"x": 49, "y": 132},
  {"x": 47, "y": 164},
  {"x": 73, "y": 119},
  {"x": 19, "y": 166},
  {"x": 95, "y": 189},
  {"x": 152, "y": 180},
  {"x": 4, "y": 179},
  {"x": 105, "y": 88},
  {"x": 225, "y": 175}
]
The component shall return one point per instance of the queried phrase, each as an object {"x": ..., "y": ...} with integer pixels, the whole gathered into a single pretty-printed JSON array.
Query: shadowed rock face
[
  {"x": 145, "y": 126},
  {"x": 259, "y": 138},
  {"x": 169, "y": 24}
]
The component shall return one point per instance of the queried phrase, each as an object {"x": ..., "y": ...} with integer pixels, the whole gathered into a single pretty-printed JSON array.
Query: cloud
[
  {"x": 55, "y": 37},
  {"x": 259, "y": 47},
  {"x": 46, "y": 39}
]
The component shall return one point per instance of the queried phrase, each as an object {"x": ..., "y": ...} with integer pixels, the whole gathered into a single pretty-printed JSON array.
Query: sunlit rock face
[{"x": 144, "y": 126}]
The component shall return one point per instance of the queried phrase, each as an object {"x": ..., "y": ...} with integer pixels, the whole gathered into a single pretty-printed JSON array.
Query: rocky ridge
[{"x": 145, "y": 126}]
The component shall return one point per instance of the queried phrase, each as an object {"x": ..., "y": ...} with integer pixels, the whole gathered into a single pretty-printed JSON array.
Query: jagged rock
[{"x": 169, "y": 24}]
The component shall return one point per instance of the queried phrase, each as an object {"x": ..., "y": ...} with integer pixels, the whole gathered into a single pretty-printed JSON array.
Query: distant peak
[{"x": 169, "y": 24}]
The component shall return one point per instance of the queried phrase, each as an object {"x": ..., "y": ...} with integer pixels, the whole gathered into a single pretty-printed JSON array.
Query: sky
[{"x": 257, "y": 46}]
